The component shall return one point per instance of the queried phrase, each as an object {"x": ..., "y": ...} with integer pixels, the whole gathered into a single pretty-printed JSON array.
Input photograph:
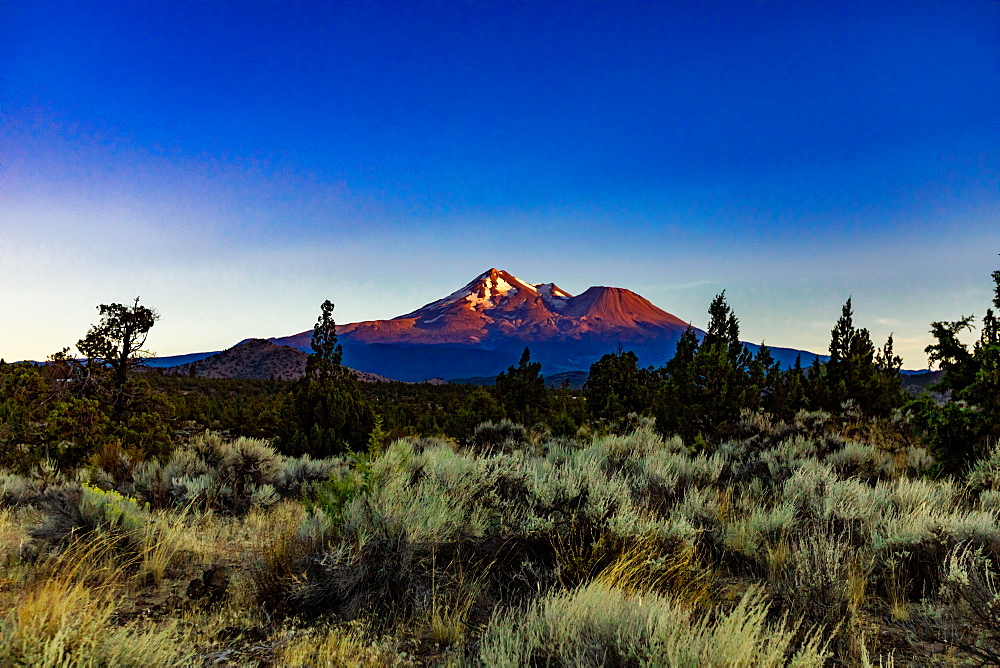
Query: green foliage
[
  {"x": 617, "y": 386},
  {"x": 240, "y": 407},
  {"x": 961, "y": 430},
  {"x": 332, "y": 496},
  {"x": 521, "y": 391},
  {"x": 25, "y": 399},
  {"x": 856, "y": 374},
  {"x": 325, "y": 418},
  {"x": 325, "y": 413},
  {"x": 478, "y": 406},
  {"x": 115, "y": 345},
  {"x": 707, "y": 385},
  {"x": 46, "y": 415}
]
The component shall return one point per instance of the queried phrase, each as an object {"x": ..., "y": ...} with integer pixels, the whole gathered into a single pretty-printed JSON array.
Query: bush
[
  {"x": 83, "y": 511},
  {"x": 502, "y": 436},
  {"x": 598, "y": 625},
  {"x": 231, "y": 477}
]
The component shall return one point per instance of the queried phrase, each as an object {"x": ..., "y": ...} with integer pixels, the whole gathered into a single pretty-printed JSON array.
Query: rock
[{"x": 196, "y": 589}]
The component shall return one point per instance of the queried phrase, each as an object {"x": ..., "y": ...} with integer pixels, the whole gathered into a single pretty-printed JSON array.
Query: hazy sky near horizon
[{"x": 236, "y": 163}]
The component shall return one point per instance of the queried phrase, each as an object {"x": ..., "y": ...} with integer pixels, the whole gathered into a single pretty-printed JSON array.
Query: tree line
[{"x": 70, "y": 409}]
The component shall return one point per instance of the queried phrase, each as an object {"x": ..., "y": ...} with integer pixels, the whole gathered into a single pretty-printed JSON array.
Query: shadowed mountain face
[
  {"x": 474, "y": 334},
  {"x": 482, "y": 328},
  {"x": 256, "y": 359}
]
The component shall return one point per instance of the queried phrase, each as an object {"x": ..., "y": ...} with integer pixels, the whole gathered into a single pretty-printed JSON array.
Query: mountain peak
[
  {"x": 495, "y": 315},
  {"x": 489, "y": 290},
  {"x": 618, "y": 306}
]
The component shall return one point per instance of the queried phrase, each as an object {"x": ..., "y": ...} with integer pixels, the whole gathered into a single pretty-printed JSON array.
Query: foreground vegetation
[
  {"x": 719, "y": 510},
  {"x": 793, "y": 544}
]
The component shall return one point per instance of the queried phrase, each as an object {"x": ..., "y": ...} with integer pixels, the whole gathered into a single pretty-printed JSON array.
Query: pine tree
[
  {"x": 326, "y": 412},
  {"x": 521, "y": 390},
  {"x": 855, "y": 373},
  {"x": 617, "y": 386},
  {"x": 707, "y": 386}
]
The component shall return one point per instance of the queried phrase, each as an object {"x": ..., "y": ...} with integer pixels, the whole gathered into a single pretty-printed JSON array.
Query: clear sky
[{"x": 236, "y": 163}]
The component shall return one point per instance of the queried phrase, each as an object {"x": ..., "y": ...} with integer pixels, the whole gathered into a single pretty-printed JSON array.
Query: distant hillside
[
  {"x": 915, "y": 383},
  {"x": 258, "y": 359}
]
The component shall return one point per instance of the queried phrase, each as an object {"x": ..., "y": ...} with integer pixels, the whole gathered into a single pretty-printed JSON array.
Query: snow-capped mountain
[
  {"x": 482, "y": 328},
  {"x": 491, "y": 290}
]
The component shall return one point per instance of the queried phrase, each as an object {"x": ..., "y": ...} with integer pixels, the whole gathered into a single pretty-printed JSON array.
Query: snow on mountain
[
  {"x": 482, "y": 328},
  {"x": 499, "y": 310},
  {"x": 491, "y": 289}
]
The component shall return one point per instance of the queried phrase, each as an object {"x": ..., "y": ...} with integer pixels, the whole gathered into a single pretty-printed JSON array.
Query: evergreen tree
[
  {"x": 959, "y": 432},
  {"x": 675, "y": 406},
  {"x": 770, "y": 384},
  {"x": 478, "y": 406},
  {"x": 786, "y": 392},
  {"x": 617, "y": 386},
  {"x": 115, "y": 346},
  {"x": 521, "y": 391},
  {"x": 855, "y": 372},
  {"x": 325, "y": 362},
  {"x": 326, "y": 412},
  {"x": 951, "y": 355},
  {"x": 707, "y": 386}
]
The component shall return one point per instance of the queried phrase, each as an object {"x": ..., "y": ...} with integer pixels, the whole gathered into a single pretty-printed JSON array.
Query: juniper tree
[
  {"x": 617, "y": 386},
  {"x": 707, "y": 385},
  {"x": 959, "y": 431},
  {"x": 521, "y": 390},
  {"x": 116, "y": 344},
  {"x": 325, "y": 412},
  {"x": 856, "y": 372}
]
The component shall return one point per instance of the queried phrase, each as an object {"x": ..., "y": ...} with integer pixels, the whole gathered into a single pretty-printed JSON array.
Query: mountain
[
  {"x": 482, "y": 328},
  {"x": 257, "y": 359}
]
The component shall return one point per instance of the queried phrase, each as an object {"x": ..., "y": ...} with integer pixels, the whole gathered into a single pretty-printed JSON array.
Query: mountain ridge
[
  {"x": 478, "y": 331},
  {"x": 482, "y": 328},
  {"x": 257, "y": 359}
]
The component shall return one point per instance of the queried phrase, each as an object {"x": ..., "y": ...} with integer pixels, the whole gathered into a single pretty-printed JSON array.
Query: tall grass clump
[
  {"x": 68, "y": 617},
  {"x": 598, "y": 625}
]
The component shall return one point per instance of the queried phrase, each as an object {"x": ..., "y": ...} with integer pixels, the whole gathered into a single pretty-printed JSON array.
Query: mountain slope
[
  {"x": 482, "y": 328},
  {"x": 257, "y": 359},
  {"x": 478, "y": 331}
]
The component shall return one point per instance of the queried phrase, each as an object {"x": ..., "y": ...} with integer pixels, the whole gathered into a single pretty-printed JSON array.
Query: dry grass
[
  {"x": 66, "y": 617},
  {"x": 645, "y": 566},
  {"x": 162, "y": 540},
  {"x": 621, "y": 551},
  {"x": 347, "y": 646}
]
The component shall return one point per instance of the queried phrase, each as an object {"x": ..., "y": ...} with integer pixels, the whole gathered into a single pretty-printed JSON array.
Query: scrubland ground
[{"x": 813, "y": 542}]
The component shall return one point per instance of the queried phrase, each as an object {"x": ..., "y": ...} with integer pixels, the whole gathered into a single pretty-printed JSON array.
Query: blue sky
[{"x": 237, "y": 163}]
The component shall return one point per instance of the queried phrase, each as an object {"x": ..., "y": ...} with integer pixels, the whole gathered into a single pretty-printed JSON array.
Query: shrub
[
  {"x": 985, "y": 475},
  {"x": 598, "y": 625},
  {"x": 18, "y": 490},
  {"x": 86, "y": 511},
  {"x": 232, "y": 477},
  {"x": 502, "y": 436},
  {"x": 822, "y": 580},
  {"x": 966, "y": 611}
]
